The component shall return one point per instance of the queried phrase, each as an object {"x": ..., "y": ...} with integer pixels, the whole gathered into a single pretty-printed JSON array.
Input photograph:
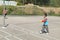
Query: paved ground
[{"x": 28, "y": 27}]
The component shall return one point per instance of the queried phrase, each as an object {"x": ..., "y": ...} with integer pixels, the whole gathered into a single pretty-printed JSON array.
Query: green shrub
[
  {"x": 1, "y": 8},
  {"x": 13, "y": 10},
  {"x": 52, "y": 13}
]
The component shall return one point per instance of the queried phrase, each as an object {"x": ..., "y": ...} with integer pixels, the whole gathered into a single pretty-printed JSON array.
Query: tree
[
  {"x": 54, "y": 2},
  {"x": 39, "y": 2}
]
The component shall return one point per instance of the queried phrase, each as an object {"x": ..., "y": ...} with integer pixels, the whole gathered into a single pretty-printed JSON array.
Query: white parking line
[
  {"x": 4, "y": 37},
  {"x": 33, "y": 33},
  {"x": 10, "y": 35}
]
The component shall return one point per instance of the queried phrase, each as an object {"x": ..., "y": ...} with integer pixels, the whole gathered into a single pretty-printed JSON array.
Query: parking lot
[{"x": 28, "y": 28}]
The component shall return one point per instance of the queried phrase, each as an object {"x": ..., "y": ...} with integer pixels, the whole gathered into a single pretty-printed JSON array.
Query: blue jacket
[{"x": 45, "y": 23}]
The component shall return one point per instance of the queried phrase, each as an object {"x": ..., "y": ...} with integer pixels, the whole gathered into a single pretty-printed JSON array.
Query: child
[
  {"x": 5, "y": 12},
  {"x": 45, "y": 24}
]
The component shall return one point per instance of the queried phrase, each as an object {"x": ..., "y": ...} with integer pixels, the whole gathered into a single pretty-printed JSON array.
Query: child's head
[{"x": 45, "y": 15}]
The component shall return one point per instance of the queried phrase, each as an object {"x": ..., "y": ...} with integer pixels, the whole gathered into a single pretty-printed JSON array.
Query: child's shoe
[{"x": 40, "y": 32}]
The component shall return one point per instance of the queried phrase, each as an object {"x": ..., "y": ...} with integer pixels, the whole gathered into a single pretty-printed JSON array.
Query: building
[{"x": 12, "y": 3}]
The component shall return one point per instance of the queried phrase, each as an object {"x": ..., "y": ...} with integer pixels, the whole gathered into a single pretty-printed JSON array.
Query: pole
[
  {"x": 22, "y": 7},
  {"x": 4, "y": 14},
  {"x": 4, "y": 24}
]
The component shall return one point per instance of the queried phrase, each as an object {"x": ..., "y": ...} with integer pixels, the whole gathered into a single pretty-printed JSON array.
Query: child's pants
[{"x": 45, "y": 29}]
